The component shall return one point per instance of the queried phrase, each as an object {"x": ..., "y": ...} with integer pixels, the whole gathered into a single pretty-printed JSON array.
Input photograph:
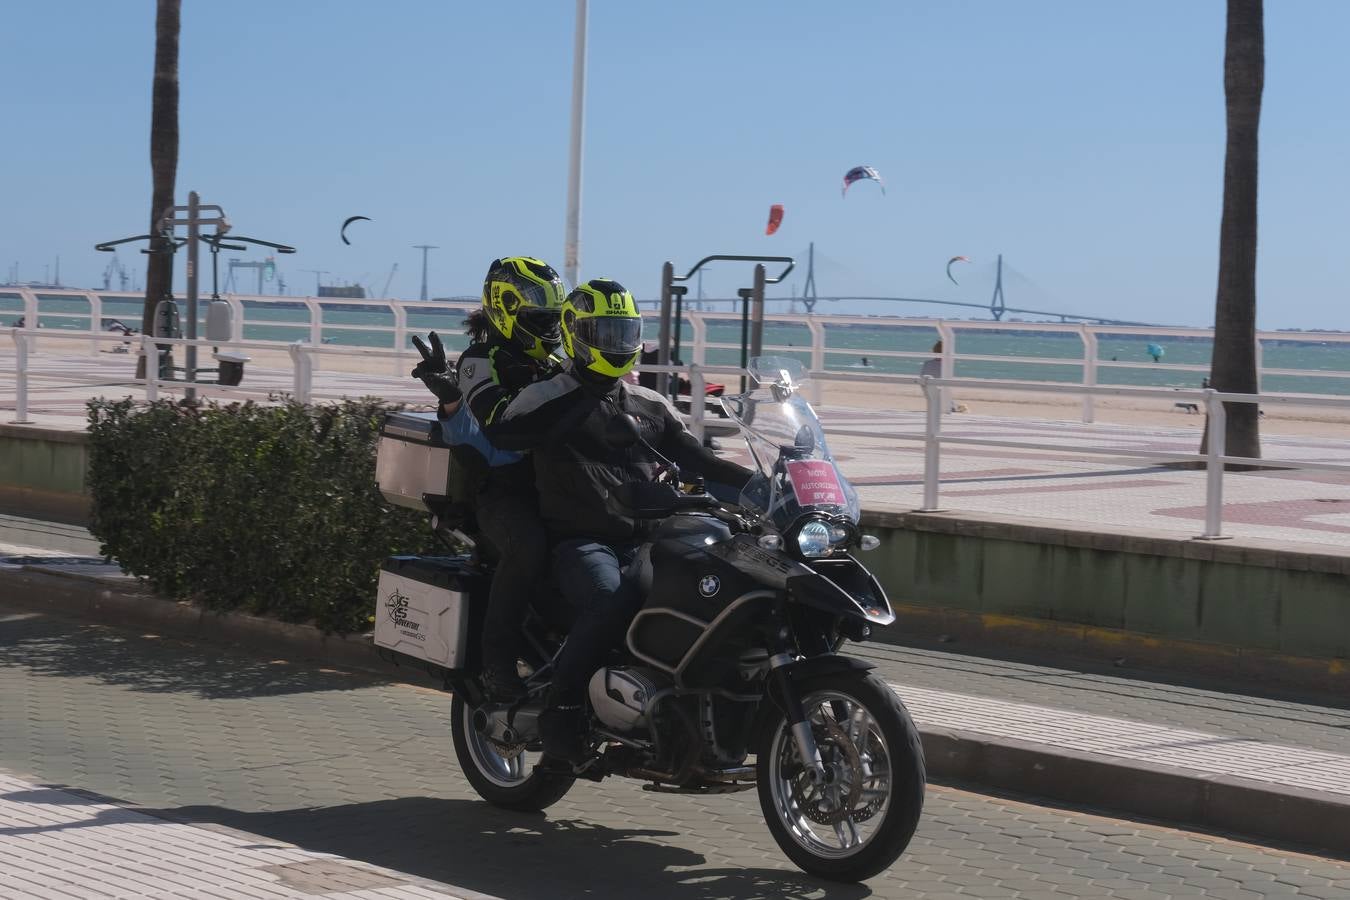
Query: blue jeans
[{"x": 595, "y": 581}]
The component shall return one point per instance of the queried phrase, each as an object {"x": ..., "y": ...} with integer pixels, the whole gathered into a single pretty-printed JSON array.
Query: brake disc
[
  {"x": 813, "y": 799},
  {"x": 506, "y": 751}
]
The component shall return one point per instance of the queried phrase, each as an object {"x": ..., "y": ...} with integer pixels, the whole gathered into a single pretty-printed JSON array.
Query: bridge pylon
[
  {"x": 997, "y": 306},
  {"x": 809, "y": 286}
]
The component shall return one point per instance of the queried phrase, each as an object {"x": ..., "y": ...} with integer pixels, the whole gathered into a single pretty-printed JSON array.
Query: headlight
[
  {"x": 816, "y": 537},
  {"x": 813, "y": 540}
]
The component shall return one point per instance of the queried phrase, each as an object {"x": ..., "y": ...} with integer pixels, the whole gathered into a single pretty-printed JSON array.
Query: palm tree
[
  {"x": 1233, "y": 367},
  {"x": 163, "y": 154}
]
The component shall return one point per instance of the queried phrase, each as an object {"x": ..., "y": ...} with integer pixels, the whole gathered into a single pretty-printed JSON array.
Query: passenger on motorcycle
[
  {"x": 512, "y": 342},
  {"x": 563, "y": 422}
]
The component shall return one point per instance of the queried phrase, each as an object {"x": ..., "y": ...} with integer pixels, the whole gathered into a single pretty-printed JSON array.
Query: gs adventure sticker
[{"x": 396, "y": 606}]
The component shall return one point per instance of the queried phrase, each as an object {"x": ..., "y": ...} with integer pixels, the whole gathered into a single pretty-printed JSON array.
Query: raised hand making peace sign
[{"x": 435, "y": 372}]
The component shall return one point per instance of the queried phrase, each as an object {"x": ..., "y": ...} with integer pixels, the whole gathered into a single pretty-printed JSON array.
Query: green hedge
[{"x": 270, "y": 509}]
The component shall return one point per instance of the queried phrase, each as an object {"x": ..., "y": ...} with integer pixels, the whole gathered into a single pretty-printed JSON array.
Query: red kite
[{"x": 775, "y": 218}]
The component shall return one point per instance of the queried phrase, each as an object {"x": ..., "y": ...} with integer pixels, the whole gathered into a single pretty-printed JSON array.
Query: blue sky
[{"x": 1083, "y": 140}]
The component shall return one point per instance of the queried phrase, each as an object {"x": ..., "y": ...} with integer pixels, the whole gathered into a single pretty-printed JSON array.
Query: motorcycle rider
[
  {"x": 563, "y": 422},
  {"x": 513, "y": 338}
]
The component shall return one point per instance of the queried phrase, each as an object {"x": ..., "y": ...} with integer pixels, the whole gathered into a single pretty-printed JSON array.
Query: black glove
[{"x": 435, "y": 372}]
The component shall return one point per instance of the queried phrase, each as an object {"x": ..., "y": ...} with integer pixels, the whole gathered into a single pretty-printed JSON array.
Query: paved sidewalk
[
  {"x": 345, "y": 766},
  {"x": 1271, "y": 751},
  {"x": 879, "y": 452},
  {"x": 58, "y": 844}
]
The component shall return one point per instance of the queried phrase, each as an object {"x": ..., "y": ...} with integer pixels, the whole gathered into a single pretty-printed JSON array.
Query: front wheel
[
  {"x": 503, "y": 776},
  {"x": 861, "y": 819}
]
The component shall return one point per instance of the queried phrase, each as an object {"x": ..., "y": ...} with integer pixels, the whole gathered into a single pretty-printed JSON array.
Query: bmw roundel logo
[{"x": 709, "y": 585}]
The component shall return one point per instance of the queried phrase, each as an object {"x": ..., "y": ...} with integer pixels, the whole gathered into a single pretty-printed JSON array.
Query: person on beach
[
  {"x": 512, "y": 339},
  {"x": 933, "y": 369}
]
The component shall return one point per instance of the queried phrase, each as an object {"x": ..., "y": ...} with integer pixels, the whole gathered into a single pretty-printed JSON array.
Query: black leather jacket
[{"x": 562, "y": 421}]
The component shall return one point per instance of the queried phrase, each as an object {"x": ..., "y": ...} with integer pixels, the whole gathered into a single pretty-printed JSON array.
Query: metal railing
[
  {"x": 302, "y": 356},
  {"x": 320, "y": 312},
  {"x": 1215, "y": 459}
]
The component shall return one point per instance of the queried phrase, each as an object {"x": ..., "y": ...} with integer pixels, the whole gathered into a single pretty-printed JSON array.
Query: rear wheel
[
  {"x": 503, "y": 776},
  {"x": 861, "y": 819}
]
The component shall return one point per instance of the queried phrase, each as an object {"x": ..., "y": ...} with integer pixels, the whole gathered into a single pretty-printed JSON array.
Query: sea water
[{"x": 847, "y": 345}]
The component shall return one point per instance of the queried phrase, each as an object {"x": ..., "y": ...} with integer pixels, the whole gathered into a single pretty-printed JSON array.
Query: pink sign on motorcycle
[{"x": 815, "y": 482}]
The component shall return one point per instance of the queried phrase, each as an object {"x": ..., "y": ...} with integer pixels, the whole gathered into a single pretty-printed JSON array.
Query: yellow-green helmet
[
  {"x": 602, "y": 328},
  {"x": 522, "y": 297}
]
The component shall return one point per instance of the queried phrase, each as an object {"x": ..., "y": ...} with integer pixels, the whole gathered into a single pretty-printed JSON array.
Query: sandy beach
[{"x": 1327, "y": 421}]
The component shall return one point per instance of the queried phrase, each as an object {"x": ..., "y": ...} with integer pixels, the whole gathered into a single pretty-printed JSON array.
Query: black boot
[
  {"x": 502, "y": 682},
  {"x": 560, "y": 727}
]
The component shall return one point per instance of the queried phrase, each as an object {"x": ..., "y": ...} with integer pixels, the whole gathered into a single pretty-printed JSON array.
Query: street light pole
[
  {"x": 572, "y": 242},
  {"x": 424, "y": 248}
]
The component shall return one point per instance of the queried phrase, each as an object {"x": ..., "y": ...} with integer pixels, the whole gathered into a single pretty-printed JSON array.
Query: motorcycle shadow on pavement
[{"x": 520, "y": 856}]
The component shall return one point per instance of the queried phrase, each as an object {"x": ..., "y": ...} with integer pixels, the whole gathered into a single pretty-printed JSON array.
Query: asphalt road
[{"x": 349, "y": 764}]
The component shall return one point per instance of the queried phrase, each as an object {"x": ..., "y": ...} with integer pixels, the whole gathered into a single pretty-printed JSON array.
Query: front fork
[{"x": 807, "y": 750}]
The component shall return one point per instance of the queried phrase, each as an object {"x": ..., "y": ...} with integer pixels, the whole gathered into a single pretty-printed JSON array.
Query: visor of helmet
[
  {"x": 544, "y": 324},
  {"x": 614, "y": 338},
  {"x": 537, "y": 296}
]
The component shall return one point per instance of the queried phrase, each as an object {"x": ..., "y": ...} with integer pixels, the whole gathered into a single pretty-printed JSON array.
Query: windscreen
[{"x": 796, "y": 472}]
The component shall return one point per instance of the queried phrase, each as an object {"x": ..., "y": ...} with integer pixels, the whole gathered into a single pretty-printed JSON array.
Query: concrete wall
[
  {"x": 42, "y": 473},
  {"x": 1107, "y": 590},
  {"x": 1266, "y": 598}
]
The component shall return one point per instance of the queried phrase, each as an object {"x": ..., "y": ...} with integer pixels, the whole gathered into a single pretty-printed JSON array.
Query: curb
[
  {"x": 121, "y": 600},
  {"x": 1220, "y": 803},
  {"x": 997, "y": 632}
]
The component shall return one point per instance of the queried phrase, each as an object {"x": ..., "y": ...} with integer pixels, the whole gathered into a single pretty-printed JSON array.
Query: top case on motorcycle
[
  {"x": 691, "y": 584},
  {"x": 415, "y": 459}
]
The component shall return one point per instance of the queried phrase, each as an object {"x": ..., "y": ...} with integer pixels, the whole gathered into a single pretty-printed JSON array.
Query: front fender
[
  {"x": 802, "y": 670},
  {"x": 830, "y": 664}
]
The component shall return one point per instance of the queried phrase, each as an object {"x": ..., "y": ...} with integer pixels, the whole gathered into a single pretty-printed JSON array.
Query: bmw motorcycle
[{"x": 730, "y": 677}]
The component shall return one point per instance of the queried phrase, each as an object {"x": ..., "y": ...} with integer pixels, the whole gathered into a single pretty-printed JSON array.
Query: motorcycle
[{"x": 734, "y": 654}]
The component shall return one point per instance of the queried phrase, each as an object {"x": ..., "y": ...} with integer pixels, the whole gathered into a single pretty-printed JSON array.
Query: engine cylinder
[{"x": 619, "y": 696}]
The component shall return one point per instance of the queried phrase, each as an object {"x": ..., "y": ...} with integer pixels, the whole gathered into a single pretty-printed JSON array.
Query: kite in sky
[
  {"x": 775, "y": 218},
  {"x": 859, "y": 173},
  {"x": 964, "y": 259},
  {"x": 350, "y": 220}
]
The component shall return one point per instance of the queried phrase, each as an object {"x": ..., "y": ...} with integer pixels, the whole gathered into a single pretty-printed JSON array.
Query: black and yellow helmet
[
  {"x": 602, "y": 328},
  {"x": 523, "y": 298}
]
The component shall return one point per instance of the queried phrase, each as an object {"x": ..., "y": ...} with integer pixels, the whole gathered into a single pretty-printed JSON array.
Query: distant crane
[
  {"x": 265, "y": 269},
  {"x": 116, "y": 269},
  {"x": 384, "y": 294},
  {"x": 318, "y": 277}
]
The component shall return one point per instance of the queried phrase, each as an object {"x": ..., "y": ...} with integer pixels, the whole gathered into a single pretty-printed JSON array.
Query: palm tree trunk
[
  {"x": 1233, "y": 367},
  {"x": 163, "y": 155}
]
